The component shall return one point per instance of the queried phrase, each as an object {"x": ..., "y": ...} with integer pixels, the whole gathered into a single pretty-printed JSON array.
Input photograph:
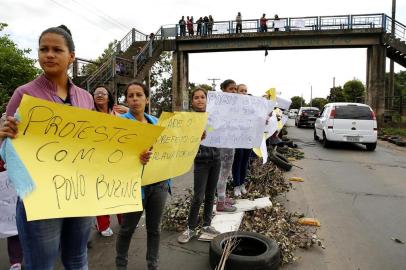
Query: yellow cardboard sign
[
  {"x": 271, "y": 92},
  {"x": 176, "y": 148},
  {"x": 83, "y": 163}
]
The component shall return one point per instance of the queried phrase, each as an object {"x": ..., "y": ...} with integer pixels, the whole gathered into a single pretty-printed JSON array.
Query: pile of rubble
[
  {"x": 275, "y": 222},
  {"x": 265, "y": 180},
  {"x": 398, "y": 140},
  {"x": 282, "y": 226},
  {"x": 294, "y": 153}
]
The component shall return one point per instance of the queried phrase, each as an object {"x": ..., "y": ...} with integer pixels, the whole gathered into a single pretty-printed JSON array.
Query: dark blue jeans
[
  {"x": 240, "y": 166},
  {"x": 43, "y": 240},
  {"x": 154, "y": 202}
]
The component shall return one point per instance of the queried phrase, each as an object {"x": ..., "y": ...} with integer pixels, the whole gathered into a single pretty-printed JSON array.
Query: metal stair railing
[
  {"x": 145, "y": 55},
  {"x": 107, "y": 70},
  {"x": 400, "y": 29}
]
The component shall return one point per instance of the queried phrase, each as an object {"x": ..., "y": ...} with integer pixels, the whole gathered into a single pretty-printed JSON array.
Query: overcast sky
[{"x": 94, "y": 23}]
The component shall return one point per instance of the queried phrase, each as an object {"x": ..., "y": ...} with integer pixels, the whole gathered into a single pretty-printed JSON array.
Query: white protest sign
[
  {"x": 8, "y": 201},
  {"x": 284, "y": 119},
  {"x": 272, "y": 125},
  {"x": 236, "y": 121},
  {"x": 279, "y": 24},
  {"x": 264, "y": 150},
  {"x": 282, "y": 103}
]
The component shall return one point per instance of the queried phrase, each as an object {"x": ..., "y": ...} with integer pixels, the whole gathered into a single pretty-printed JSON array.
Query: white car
[
  {"x": 292, "y": 113},
  {"x": 347, "y": 122}
]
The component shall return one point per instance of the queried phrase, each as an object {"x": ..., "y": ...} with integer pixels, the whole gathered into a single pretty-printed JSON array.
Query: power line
[
  {"x": 213, "y": 82},
  {"x": 104, "y": 15},
  {"x": 82, "y": 17}
]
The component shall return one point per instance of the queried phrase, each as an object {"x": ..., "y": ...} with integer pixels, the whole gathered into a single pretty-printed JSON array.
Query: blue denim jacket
[{"x": 152, "y": 120}]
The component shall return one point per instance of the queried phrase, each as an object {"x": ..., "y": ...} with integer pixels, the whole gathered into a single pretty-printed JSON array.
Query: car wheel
[
  {"x": 326, "y": 142},
  {"x": 316, "y": 138},
  {"x": 370, "y": 146},
  {"x": 253, "y": 251}
]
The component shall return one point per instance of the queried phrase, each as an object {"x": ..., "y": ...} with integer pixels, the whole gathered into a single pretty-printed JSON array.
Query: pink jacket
[{"x": 43, "y": 88}]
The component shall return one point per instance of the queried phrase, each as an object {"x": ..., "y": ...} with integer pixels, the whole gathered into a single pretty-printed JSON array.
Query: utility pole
[
  {"x": 391, "y": 89},
  {"x": 213, "y": 84},
  {"x": 311, "y": 95},
  {"x": 334, "y": 83}
]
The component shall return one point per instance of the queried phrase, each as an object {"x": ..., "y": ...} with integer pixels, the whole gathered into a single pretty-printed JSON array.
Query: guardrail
[{"x": 312, "y": 23}]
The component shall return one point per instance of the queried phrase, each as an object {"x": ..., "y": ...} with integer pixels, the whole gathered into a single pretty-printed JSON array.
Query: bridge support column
[
  {"x": 375, "y": 83},
  {"x": 180, "y": 81}
]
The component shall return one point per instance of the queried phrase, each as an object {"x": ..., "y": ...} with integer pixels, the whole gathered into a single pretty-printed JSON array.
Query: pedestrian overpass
[{"x": 371, "y": 31}]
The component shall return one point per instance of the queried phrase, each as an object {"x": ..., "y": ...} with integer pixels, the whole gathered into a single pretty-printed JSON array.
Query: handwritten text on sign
[
  {"x": 236, "y": 121},
  {"x": 176, "y": 148},
  {"x": 8, "y": 201},
  {"x": 83, "y": 163}
]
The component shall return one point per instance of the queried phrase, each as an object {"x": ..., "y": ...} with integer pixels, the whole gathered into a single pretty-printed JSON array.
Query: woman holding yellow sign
[
  {"x": 153, "y": 196},
  {"x": 43, "y": 240}
]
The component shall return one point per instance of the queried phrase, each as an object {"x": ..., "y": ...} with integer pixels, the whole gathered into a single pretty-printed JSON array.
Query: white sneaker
[
  {"x": 210, "y": 230},
  {"x": 186, "y": 236},
  {"x": 237, "y": 191},
  {"x": 242, "y": 189},
  {"x": 107, "y": 233},
  {"x": 16, "y": 266}
]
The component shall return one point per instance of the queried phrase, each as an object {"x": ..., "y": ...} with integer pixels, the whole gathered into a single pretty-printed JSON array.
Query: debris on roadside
[
  {"x": 296, "y": 179},
  {"x": 398, "y": 140},
  {"x": 265, "y": 180},
  {"x": 176, "y": 212},
  {"x": 281, "y": 225},
  {"x": 397, "y": 240},
  {"x": 294, "y": 153},
  {"x": 275, "y": 222},
  {"x": 309, "y": 222}
]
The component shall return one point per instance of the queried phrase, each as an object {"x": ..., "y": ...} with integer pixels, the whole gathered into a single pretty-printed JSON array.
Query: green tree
[
  {"x": 319, "y": 102},
  {"x": 16, "y": 68},
  {"x": 336, "y": 95},
  {"x": 90, "y": 68},
  {"x": 354, "y": 91},
  {"x": 297, "y": 102},
  {"x": 161, "y": 85},
  {"x": 400, "y": 83},
  {"x": 193, "y": 86}
]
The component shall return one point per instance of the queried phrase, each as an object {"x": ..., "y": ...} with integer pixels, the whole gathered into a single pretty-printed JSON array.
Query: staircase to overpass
[{"x": 138, "y": 52}]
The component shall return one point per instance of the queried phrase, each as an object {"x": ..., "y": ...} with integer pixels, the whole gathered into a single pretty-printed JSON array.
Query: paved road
[
  {"x": 358, "y": 196},
  {"x": 360, "y": 199}
]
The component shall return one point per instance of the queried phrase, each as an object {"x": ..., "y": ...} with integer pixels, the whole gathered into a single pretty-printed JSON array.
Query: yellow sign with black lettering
[
  {"x": 83, "y": 163},
  {"x": 176, "y": 148}
]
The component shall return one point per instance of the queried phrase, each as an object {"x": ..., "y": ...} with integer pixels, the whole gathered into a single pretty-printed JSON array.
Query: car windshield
[
  {"x": 353, "y": 112},
  {"x": 311, "y": 112}
]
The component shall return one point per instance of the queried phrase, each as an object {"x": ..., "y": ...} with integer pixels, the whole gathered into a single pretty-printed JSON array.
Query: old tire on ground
[
  {"x": 282, "y": 150},
  {"x": 370, "y": 146},
  {"x": 280, "y": 161},
  {"x": 253, "y": 252}
]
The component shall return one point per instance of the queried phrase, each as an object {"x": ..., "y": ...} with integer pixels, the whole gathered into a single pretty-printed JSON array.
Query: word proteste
[{"x": 48, "y": 122}]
